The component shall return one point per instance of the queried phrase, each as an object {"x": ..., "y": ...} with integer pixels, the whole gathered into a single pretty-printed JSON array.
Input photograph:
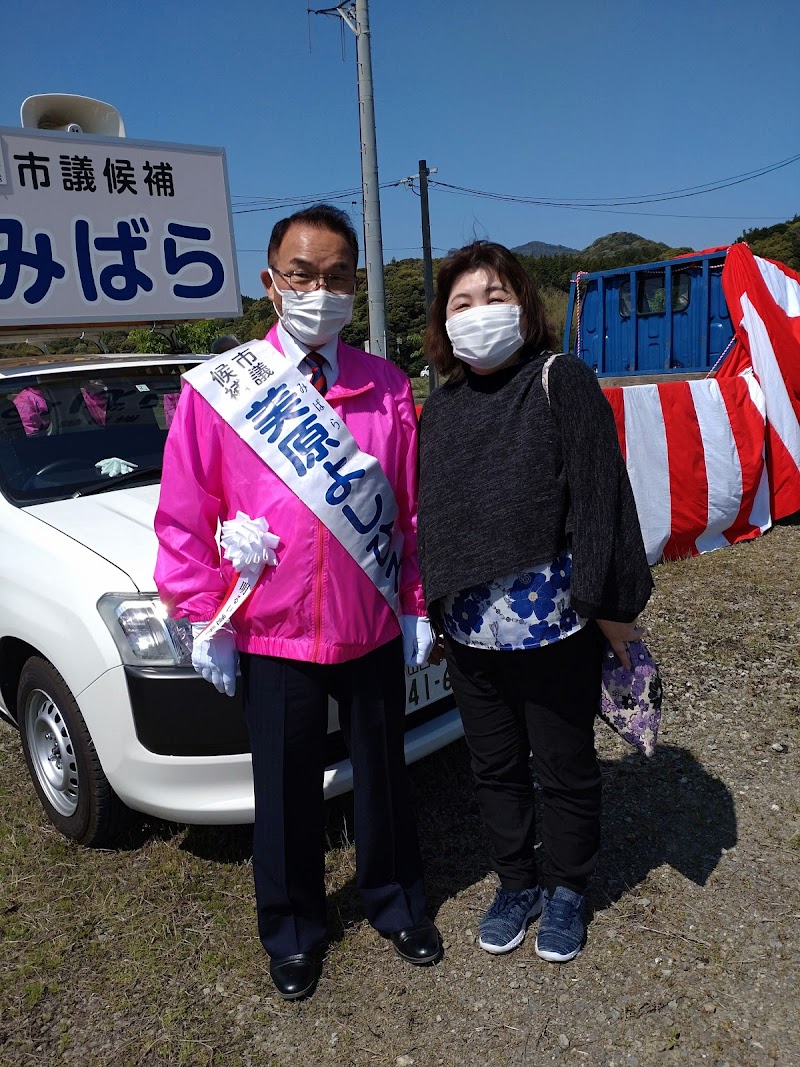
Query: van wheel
[{"x": 62, "y": 760}]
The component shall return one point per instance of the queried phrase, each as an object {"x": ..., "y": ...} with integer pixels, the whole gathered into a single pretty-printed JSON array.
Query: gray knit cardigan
[{"x": 507, "y": 480}]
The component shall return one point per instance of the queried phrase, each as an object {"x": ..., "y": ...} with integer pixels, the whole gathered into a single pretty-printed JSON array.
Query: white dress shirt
[{"x": 296, "y": 351}]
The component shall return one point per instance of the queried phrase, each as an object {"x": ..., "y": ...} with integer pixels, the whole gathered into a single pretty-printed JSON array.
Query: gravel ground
[{"x": 146, "y": 956}]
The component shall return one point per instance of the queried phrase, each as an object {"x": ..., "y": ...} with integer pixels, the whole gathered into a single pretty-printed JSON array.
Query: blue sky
[{"x": 586, "y": 99}]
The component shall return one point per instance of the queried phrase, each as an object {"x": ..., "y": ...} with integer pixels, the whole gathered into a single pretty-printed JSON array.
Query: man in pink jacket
[{"x": 315, "y": 625}]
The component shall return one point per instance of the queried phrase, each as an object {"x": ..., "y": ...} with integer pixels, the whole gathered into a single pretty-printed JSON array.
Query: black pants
[
  {"x": 286, "y": 706},
  {"x": 541, "y": 701}
]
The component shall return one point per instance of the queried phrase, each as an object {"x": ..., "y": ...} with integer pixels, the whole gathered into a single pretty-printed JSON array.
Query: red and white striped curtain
[{"x": 713, "y": 462}]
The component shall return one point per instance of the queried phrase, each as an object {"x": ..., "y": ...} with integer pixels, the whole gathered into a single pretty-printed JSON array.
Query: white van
[{"x": 97, "y": 678}]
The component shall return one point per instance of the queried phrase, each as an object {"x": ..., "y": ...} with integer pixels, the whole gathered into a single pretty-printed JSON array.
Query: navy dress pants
[{"x": 286, "y": 706}]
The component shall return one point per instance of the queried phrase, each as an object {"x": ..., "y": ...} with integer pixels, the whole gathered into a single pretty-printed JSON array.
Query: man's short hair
[
  {"x": 224, "y": 344},
  {"x": 324, "y": 217}
]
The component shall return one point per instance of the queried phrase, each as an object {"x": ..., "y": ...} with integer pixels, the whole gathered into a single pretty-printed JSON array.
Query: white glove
[
  {"x": 114, "y": 466},
  {"x": 216, "y": 659},
  {"x": 418, "y": 639}
]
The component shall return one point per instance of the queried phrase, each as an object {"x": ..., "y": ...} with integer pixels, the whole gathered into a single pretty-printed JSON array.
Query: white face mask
[
  {"x": 317, "y": 317},
  {"x": 486, "y": 336}
]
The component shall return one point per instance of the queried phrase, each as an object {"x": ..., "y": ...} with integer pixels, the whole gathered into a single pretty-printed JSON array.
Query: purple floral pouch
[{"x": 630, "y": 700}]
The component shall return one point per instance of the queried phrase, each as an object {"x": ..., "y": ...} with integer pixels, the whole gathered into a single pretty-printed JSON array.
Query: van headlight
[{"x": 143, "y": 631}]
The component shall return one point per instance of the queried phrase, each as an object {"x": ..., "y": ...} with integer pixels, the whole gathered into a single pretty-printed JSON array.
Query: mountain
[
  {"x": 630, "y": 247},
  {"x": 621, "y": 247},
  {"x": 541, "y": 248}
]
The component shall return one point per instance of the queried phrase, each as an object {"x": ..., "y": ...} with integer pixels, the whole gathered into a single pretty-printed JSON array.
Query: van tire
[{"x": 62, "y": 761}]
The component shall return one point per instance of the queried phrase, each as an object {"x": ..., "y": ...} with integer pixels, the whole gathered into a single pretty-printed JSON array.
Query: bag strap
[{"x": 548, "y": 363}]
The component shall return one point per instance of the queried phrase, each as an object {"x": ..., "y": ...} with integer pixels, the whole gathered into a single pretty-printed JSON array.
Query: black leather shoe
[
  {"x": 296, "y": 976},
  {"x": 419, "y": 944}
]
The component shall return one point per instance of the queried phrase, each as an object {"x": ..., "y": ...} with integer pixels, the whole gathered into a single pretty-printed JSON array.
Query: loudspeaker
[{"x": 71, "y": 114}]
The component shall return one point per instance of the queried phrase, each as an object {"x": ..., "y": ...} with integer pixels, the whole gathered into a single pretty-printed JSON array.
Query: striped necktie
[{"x": 318, "y": 379}]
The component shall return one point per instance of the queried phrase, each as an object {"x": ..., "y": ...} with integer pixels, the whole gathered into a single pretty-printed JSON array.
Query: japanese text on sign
[
  {"x": 77, "y": 174},
  {"x": 91, "y": 231},
  {"x": 120, "y": 279}
]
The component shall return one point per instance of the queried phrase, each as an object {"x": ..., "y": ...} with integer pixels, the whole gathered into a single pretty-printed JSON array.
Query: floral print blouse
[{"x": 521, "y": 611}]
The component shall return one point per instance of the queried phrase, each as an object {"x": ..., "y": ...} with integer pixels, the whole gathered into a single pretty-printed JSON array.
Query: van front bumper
[{"x": 181, "y": 751}]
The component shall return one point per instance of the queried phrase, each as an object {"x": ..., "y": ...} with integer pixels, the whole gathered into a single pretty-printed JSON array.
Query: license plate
[{"x": 424, "y": 685}]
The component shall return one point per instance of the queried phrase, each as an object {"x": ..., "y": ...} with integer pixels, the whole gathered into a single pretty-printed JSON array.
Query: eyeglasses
[{"x": 305, "y": 281}]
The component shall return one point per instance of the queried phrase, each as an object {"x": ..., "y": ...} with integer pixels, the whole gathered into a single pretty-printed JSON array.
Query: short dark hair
[
  {"x": 483, "y": 255},
  {"x": 224, "y": 344},
  {"x": 324, "y": 217}
]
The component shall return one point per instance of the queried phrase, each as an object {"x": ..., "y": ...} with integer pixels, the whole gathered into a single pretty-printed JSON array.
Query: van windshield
[{"x": 63, "y": 434}]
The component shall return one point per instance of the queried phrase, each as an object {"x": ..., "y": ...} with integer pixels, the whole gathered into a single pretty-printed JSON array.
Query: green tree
[
  {"x": 357, "y": 333},
  {"x": 143, "y": 340},
  {"x": 180, "y": 338},
  {"x": 780, "y": 242}
]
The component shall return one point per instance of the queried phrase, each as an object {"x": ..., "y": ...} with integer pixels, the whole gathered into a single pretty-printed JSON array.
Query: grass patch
[
  {"x": 421, "y": 389},
  {"x": 148, "y": 955}
]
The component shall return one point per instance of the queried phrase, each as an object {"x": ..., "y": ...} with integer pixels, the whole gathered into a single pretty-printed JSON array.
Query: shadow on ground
[{"x": 665, "y": 810}]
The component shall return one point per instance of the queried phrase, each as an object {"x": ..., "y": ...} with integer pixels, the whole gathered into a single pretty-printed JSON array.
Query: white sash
[{"x": 293, "y": 429}]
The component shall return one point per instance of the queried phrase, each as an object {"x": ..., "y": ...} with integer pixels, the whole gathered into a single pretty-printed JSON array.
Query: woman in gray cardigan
[{"x": 531, "y": 554}]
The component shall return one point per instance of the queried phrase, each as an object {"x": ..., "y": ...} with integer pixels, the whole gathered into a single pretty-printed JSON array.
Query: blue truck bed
[{"x": 657, "y": 318}]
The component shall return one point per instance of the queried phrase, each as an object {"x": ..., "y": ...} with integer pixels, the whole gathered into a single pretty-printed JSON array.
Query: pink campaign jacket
[{"x": 317, "y": 604}]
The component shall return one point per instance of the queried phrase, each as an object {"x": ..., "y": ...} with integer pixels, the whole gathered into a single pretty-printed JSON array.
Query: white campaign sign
[{"x": 104, "y": 230}]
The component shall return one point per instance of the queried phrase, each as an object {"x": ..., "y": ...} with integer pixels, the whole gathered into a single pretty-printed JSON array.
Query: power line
[
  {"x": 277, "y": 203},
  {"x": 671, "y": 214},
  {"x": 585, "y": 203},
  {"x": 652, "y": 214},
  {"x": 613, "y": 205},
  {"x": 270, "y": 199}
]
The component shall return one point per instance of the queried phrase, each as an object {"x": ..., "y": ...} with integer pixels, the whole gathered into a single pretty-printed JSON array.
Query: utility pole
[
  {"x": 427, "y": 259},
  {"x": 356, "y": 14}
]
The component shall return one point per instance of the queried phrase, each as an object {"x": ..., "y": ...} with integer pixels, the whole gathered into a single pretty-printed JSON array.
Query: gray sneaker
[
  {"x": 562, "y": 931},
  {"x": 506, "y": 920}
]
